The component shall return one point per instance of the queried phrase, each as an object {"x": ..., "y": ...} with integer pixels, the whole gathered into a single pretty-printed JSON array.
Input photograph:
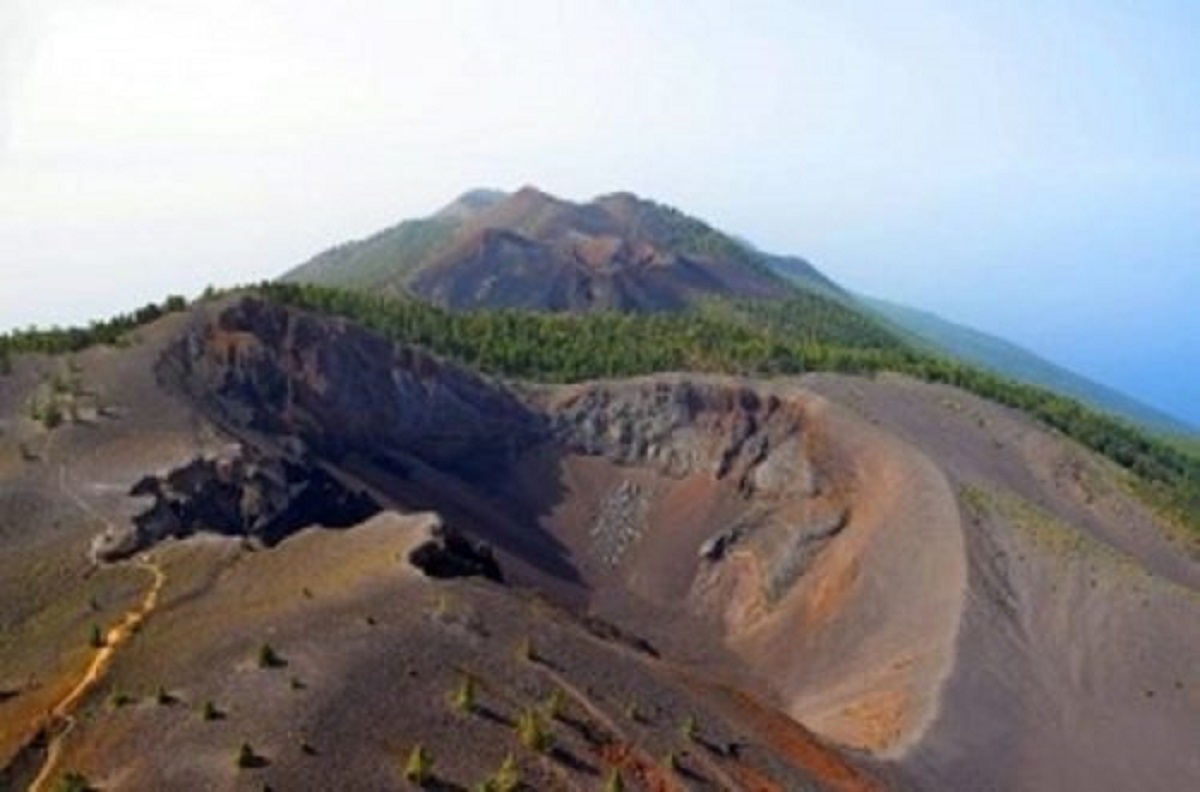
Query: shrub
[
  {"x": 120, "y": 699},
  {"x": 52, "y": 416}
]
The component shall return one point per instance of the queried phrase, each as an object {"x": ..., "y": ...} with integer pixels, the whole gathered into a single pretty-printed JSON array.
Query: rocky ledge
[{"x": 241, "y": 492}]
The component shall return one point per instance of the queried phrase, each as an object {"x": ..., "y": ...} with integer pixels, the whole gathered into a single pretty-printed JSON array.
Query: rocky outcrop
[
  {"x": 450, "y": 554},
  {"x": 239, "y": 493},
  {"x": 685, "y": 427},
  {"x": 303, "y": 394},
  {"x": 306, "y": 394},
  {"x": 343, "y": 390}
]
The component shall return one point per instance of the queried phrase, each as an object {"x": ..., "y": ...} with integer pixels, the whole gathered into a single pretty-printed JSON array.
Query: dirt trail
[{"x": 62, "y": 718}]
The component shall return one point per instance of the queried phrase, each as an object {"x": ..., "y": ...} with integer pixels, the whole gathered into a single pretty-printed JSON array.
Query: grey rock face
[
  {"x": 343, "y": 390},
  {"x": 621, "y": 521},
  {"x": 682, "y": 428}
]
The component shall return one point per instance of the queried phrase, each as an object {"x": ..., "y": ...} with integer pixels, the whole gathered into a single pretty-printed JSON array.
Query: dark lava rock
[
  {"x": 344, "y": 391},
  {"x": 449, "y": 554},
  {"x": 242, "y": 493}
]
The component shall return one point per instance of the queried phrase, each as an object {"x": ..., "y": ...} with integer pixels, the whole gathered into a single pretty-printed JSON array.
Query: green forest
[{"x": 802, "y": 334}]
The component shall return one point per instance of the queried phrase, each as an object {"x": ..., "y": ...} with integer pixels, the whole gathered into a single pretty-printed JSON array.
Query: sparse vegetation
[
  {"x": 209, "y": 711},
  {"x": 58, "y": 340},
  {"x": 163, "y": 698},
  {"x": 419, "y": 766},
  {"x": 614, "y": 782}
]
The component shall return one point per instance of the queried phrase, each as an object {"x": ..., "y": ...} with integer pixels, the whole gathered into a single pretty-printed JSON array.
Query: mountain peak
[
  {"x": 532, "y": 196},
  {"x": 471, "y": 203},
  {"x": 532, "y": 250}
]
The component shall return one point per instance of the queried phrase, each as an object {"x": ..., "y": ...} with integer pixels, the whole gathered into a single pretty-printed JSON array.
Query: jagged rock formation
[
  {"x": 241, "y": 493},
  {"x": 449, "y": 554},
  {"x": 684, "y": 427},
  {"x": 344, "y": 391}
]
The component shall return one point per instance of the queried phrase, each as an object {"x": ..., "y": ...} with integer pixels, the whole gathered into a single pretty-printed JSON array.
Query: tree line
[
  {"x": 801, "y": 334},
  {"x": 808, "y": 333}
]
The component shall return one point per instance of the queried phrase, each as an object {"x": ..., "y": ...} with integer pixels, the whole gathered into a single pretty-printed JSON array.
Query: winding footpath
[{"x": 62, "y": 718}]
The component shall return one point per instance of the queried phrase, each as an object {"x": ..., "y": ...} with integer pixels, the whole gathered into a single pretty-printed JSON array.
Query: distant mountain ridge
[
  {"x": 924, "y": 329},
  {"x": 529, "y": 249}
]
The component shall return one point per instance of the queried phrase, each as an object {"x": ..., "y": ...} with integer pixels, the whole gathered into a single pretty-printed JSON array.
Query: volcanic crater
[
  {"x": 834, "y": 582},
  {"x": 708, "y": 514}
]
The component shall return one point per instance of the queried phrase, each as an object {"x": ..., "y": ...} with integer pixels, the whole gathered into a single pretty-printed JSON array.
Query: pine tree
[
  {"x": 532, "y": 733},
  {"x": 463, "y": 697},
  {"x": 269, "y": 658},
  {"x": 688, "y": 729},
  {"x": 508, "y": 776},
  {"x": 419, "y": 766},
  {"x": 246, "y": 756}
]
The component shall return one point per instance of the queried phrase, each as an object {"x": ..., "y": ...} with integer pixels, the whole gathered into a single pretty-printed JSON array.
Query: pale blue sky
[{"x": 1030, "y": 168}]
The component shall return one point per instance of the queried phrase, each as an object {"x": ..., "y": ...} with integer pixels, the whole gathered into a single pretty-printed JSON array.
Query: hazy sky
[{"x": 1030, "y": 168}]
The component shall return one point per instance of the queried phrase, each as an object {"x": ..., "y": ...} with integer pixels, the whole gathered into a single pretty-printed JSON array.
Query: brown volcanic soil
[
  {"x": 937, "y": 592},
  {"x": 1076, "y": 662},
  {"x": 532, "y": 250}
]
